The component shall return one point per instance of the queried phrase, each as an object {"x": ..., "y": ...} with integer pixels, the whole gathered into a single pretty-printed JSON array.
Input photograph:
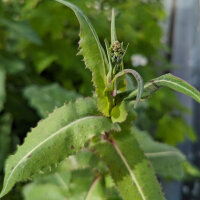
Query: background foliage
[{"x": 39, "y": 66}]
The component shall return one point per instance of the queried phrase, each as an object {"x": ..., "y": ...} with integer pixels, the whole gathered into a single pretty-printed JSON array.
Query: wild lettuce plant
[{"x": 102, "y": 124}]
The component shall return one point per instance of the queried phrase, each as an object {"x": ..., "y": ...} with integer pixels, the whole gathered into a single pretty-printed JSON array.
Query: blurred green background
[{"x": 39, "y": 69}]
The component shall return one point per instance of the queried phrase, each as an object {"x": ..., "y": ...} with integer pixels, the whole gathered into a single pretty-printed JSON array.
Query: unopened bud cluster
[{"x": 116, "y": 52}]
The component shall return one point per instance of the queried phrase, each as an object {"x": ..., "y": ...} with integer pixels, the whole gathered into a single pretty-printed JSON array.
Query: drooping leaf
[
  {"x": 63, "y": 133},
  {"x": 167, "y": 161},
  {"x": 139, "y": 80},
  {"x": 129, "y": 167},
  {"x": 45, "y": 98},
  {"x": 2, "y": 88},
  {"x": 167, "y": 80},
  {"x": 94, "y": 56}
]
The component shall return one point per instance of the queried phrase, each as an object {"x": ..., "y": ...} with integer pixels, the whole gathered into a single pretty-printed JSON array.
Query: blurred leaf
[
  {"x": 42, "y": 192},
  {"x": 44, "y": 61},
  {"x": 46, "y": 98},
  {"x": 21, "y": 29},
  {"x": 167, "y": 161},
  {"x": 191, "y": 171},
  {"x": 174, "y": 130},
  {"x": 5, "y": 137},
  {"x": 65, "y": 187},
  {"x": 63, "y": 133},
  {"x": 12, "y": 64},
  {"x": 2, "y": 88}
]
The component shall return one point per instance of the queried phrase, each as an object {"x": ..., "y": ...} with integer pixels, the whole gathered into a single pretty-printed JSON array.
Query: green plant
[{"x": 102, "y": 126}]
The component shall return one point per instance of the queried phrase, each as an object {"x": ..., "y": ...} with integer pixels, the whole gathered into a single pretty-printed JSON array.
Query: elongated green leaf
[
  {"x": 170, "y": 81},
  {"x": 63, "y": 133},
  {"x": 45, "y": 99},
  {"x": 94, "y": 56},
  {"x": 130, "y": 169},
  {"x": 2, "y": 87},
  {"x": 167, "y": 161}
]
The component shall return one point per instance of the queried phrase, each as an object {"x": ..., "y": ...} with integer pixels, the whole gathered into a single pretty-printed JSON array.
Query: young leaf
[
  {"x": 63, "y": 133},
  {"x": 129, "y": 167},
  {"x": 167, "y": 161},
  {"x": 2, "y": 88},
  {"x": 94, "y": 56},
  {"x": 120, "y": 112},
  {"x": 170, "y": 81}
]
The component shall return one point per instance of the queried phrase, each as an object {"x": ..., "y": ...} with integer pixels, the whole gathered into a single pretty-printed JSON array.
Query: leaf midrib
[
  {"x": 173, "y": 83},
  {"x": 129, "y": 169},
  {"x": 47, "y": 139}
]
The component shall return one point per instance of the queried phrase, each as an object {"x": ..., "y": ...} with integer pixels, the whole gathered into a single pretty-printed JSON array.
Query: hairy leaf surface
[
  {"x": 167, "y": 161},
  {"x": 94, "y": 56},
  {"x": 129, "y": 167},
  {"x": 171, "y": 81},
  {"x": 63, "y": 133}
]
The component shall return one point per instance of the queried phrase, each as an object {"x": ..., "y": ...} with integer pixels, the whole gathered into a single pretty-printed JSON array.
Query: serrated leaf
[
  {"x": 46, "y": 98},
  {"x": 167, "y": 80},
  {"x": 63, "y": 133},
  {"x": 94, "y": 56},
  {"x": 167, "y": 161},
  {"x": 129, "y": 167},
  {"x": 2, "y": 88}
]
